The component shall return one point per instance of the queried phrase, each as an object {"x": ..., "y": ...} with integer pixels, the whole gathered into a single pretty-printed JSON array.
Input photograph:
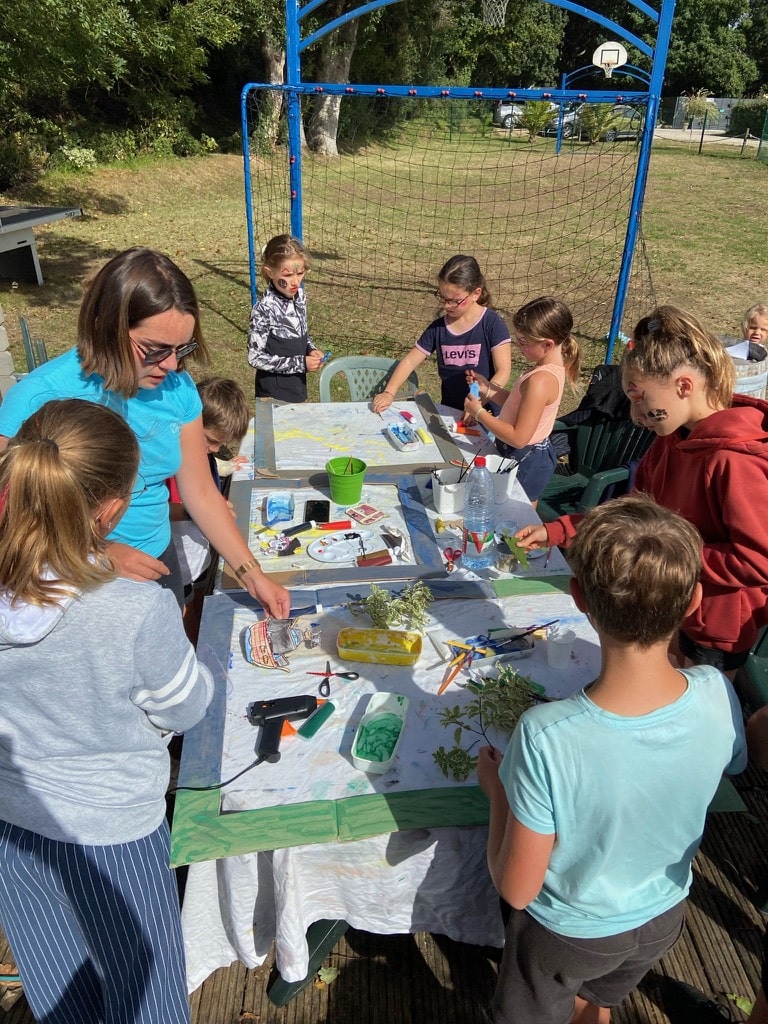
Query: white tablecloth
[{"x": 433, "y": 880}]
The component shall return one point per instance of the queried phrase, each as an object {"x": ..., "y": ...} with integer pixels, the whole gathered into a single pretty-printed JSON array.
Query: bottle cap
[{"x": 480, "y": 460}]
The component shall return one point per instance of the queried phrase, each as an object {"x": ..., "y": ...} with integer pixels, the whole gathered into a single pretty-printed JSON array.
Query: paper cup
[
  {"x": 447, "y": 491},
  {"x": 559, "y": 647},
  {"x": 345, "y": 479}
]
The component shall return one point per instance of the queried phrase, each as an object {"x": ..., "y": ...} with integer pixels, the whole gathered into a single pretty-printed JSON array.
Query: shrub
[
  {"x": 74, "y": 158},
  {"x": 21, "y": 161},
  {"x": 748, "y": 115}
]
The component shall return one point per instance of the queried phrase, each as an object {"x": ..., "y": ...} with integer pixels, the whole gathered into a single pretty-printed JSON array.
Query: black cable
[{"x": 219, "y": 785}]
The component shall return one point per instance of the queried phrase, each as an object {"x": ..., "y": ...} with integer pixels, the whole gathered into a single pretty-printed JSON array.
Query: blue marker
[
  {"x": 326, "y": 357},
  {"x": 474, "y": 389}
]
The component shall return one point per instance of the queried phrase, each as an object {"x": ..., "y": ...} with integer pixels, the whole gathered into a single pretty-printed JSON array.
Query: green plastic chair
[
  {"x": 599, "y": 459},
  {"x": 366, "y": 376},
  {"x": 34, "y": 348}
]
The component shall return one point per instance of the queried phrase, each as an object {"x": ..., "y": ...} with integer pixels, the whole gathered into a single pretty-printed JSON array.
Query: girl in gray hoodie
[{"x": 96, "y": 674}]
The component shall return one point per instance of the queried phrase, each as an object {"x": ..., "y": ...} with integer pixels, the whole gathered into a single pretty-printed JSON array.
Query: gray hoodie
[{"x": 89, "y": 692}]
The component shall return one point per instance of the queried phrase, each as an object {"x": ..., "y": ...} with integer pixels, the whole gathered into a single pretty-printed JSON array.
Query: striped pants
[{"x": 95, "y": 930}]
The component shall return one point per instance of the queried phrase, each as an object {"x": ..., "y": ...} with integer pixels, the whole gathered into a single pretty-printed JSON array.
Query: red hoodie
[{"x": 716, "y": 477}]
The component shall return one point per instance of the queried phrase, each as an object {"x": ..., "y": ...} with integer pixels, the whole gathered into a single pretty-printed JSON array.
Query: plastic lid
[{"x": 479, "y": 460}]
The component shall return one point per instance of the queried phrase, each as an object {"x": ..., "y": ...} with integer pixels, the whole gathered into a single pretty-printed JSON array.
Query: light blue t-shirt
[
  {"x": 155, "y": 415},
  {"x": 627, "y": 798}
]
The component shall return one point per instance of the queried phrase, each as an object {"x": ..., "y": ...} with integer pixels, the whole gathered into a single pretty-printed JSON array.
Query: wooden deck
[{"x": 422, "y": 979}]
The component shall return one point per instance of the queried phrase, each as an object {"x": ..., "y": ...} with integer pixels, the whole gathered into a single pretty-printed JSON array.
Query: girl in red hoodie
[{"x": 709, "y": 463}]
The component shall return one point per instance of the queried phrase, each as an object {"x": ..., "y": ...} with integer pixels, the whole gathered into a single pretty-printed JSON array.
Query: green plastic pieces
[{"x": 378, "y": 737}]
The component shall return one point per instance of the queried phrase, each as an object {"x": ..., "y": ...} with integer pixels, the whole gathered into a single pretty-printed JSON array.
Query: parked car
[
  {"x": 506, "y": 114},
  {"x": 626, "y": 123},
  {"x": 570, "y": 120}
]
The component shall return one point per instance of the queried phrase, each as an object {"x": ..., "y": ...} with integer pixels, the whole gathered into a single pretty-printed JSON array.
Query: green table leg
[{"x": 322, "y": 936}]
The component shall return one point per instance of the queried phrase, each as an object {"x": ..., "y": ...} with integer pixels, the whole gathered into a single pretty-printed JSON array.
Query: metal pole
[{"x": 703, "y": 129}]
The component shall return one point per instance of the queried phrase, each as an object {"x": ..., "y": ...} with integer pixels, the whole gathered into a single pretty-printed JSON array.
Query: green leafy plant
[
  {"x": 535, "y": 117},
  {"x": 497, "y": 702},
  {"x": 405, "y": 609}
]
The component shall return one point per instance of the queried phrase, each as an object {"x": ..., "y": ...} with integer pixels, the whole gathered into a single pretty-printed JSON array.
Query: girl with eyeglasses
[
  {"x": 96, "y": 674},
  {"x": 139, "y": 321},
  {"x": 468, "y": 336}
]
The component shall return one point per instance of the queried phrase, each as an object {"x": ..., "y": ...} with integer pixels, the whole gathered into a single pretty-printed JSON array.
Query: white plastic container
[
  {"x": 559, "y": 647},
  {"x": 379, "y": 705},
  {"x": 448, "y": 489}
]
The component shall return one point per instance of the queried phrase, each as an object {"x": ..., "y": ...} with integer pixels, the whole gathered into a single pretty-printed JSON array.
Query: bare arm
[
  {"x": 537, "y": 392},
  {"x": 501, "y": 357},
  {"x": 518, "y": 857},
  {"x": 399, "y": 376},
  {"x": 208, "y": 508}
]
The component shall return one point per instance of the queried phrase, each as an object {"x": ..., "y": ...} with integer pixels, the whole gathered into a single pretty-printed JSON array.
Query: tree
[{"x": 756, "y": 33}]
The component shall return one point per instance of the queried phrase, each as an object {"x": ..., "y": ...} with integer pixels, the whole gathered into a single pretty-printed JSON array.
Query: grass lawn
[{"x": 704, "y": 222}]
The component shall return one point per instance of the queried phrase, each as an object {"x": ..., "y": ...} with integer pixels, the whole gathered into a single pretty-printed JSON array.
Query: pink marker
[{"x": 407, "y": 416}]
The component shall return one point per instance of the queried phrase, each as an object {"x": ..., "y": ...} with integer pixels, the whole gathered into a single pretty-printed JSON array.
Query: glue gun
[{"x": 270, "y": 715}]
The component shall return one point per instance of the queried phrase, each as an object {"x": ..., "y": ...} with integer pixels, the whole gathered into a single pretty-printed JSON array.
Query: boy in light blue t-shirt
[{"x": 598, "y": 805}]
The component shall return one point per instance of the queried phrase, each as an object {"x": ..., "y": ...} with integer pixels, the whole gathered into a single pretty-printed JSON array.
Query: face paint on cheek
[
  {"x": 281, "y": 282},
  {"x": 657, "y": 415}
]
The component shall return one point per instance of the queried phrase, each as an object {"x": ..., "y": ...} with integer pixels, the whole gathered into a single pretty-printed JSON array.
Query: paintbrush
[
  {"x": 458, "y": 664},
  {"x": 467, "y": 468},
  {"x": 527, "y": 632}
]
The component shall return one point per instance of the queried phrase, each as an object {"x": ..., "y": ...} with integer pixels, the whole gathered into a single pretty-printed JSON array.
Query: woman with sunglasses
[
  {"x": 138, "y": 323},
  {"x": 469, "y": 336}
]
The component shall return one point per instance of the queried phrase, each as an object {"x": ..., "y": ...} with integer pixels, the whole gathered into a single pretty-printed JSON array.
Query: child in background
[
  {"x": 225, "y": 423},
  {"x": 599, "y": 803},
  {"x": 524, "y": 424},
  {"x": 754, "y": 325},
  {"x": 470, "y": 336},
  {"x": 709, "y": 463},
  {"x": 279, "y": 346},
  {"x": 95, "y": 675}
]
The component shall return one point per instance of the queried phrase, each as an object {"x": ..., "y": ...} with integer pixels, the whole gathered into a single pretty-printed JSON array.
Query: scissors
[
  {"x": 324, "y": 689},
  {"x": 452, "y": 555}
]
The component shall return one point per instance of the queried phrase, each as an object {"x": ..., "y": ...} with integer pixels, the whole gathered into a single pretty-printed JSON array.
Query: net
[
  {"x": 494, "y": 13},
  {"x": 419, "y": 180}
]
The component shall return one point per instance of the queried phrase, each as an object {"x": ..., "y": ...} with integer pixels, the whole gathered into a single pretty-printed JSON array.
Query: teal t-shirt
[
  {"x": 626, "y": 797},
  {"x": 156, "y": 416}
]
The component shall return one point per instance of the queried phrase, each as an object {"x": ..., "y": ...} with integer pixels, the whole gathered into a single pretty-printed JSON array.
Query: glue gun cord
[{"x": 219, "y": 785}]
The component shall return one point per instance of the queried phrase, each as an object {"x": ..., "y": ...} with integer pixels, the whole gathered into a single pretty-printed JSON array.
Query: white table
[{"x": 430, "y": 879}]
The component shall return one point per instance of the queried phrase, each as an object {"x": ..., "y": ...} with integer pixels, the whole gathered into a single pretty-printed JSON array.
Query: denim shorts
[
  {"x": 541, "y": 972},
  {"x": 535, "y": 465}
]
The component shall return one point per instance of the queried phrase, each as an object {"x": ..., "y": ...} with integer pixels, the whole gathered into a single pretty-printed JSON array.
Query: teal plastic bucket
[{"x": 345, "y": 479}]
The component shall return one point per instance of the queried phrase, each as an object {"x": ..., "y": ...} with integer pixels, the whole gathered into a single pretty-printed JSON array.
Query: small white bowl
[{"x": 380, "y": 704}]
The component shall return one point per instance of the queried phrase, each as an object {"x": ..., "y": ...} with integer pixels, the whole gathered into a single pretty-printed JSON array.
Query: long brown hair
[
  {"x": 549, "y": 319},
  {"x": 669, "y": 338},
  {"x": 67, "y": 460},
  {"x": 136, "y": 284}
]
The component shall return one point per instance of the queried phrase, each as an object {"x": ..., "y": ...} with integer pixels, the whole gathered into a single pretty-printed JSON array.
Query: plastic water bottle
[{"x": 477, "y": 552}]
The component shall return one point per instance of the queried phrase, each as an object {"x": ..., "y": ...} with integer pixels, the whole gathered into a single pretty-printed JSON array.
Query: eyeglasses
[
  {"x": 153, "y": 356},
  {"x": 450, "y": 303}
]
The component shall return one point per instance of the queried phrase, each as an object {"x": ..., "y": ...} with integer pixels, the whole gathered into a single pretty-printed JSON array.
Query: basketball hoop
[
  {"x": 494, "y": 13},
  {"x": 609, "y": 56}
]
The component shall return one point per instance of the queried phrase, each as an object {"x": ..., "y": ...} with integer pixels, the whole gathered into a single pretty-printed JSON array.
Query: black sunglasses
[{"x": 152, "y": 356}]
